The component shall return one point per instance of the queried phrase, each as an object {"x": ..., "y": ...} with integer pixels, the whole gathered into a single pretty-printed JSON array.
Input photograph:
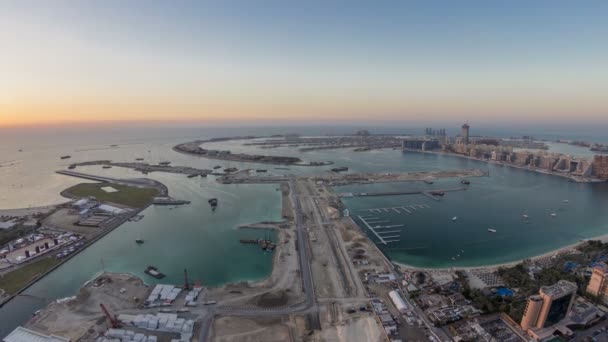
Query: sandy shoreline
[{"x": 494, "y": 267}]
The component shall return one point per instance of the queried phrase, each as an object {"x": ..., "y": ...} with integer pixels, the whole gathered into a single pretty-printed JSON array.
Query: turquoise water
[
  {"x": 206, "y": 243},
  {"x": 191, "y": 236},
  {"x": 430, "y": 238}
]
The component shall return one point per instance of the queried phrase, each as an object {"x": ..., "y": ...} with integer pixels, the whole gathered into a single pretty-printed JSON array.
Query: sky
[{"x": 64, "y": 62}]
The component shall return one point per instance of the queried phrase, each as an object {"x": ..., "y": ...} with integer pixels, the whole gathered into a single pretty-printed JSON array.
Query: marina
[
  {"x": 432, "y": 194},
  {"x": 387, "y": 172},
  {"x": 406, "y": 209},
  {"x": 381, "y": 234},
  {"x": 472, "y": 207}
]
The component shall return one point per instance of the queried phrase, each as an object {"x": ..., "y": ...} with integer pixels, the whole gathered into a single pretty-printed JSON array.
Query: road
[
  {"x": 437, "y": 333},
  {"x": 309, "y": 305}
]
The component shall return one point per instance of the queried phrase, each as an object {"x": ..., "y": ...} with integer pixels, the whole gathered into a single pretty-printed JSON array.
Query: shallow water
[{"x": 193, "y": 237}]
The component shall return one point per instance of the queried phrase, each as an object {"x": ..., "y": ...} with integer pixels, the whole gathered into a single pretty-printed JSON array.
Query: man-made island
[
  {"x": 330, "y": 280},
  {"x": 194, "y": 148}
]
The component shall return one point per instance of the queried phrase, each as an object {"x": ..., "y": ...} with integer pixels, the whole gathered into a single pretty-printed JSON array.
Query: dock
[
  {"x": 405, "y": 209},
  {"x": 168, "y": 201},
  {"x": 428, "y": 193},
  {"x": 382, "y": 235}
]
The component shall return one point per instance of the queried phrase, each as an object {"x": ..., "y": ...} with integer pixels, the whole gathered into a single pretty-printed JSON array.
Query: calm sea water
[
  {"x": 193, "y": 237},
  {"x": 429, "y": 237}
]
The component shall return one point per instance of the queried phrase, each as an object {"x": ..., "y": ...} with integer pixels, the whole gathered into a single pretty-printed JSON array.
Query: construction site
[{"x": 329, "y": 282}]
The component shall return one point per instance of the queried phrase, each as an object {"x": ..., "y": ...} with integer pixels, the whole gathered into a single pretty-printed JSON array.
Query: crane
[{"x": 111, "y": 318}]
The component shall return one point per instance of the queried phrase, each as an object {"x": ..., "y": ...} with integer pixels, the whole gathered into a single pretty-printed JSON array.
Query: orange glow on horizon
[{"x": 343, "y": 107}]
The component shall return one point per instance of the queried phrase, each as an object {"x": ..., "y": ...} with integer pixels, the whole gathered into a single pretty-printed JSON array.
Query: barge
[{"x": 153, "y": 272}]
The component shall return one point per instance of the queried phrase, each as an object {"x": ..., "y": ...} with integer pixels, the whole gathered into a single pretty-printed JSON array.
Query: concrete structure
[
  {"x": 600, "y": 167},
  {"x": 464, "y": 135},
  {"x": 420, "y": 144},
  {"x": 598, "y": 284},
  {"x": 532, "y": 311},
  {"x": 22, "y": 334},
  {"x": 111, "y": 209},
  {"x": 548, "y": 308},
  {"x": 399, "y": 303}
]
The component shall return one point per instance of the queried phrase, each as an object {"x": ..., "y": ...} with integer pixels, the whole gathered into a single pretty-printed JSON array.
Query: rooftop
[
  {"x": 600, "y": 266},
  {"x": 562, "y": 287},
  {"x": 22, "y": 334}
]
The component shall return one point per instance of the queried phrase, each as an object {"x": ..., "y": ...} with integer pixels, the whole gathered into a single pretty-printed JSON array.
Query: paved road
[
  {"x": 303, "y": 244},
  {"x": 437, "y": 333}
]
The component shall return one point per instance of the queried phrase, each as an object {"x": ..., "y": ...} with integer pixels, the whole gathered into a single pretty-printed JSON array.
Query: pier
[
  {"x": 429, "y": 193},
  {"x": 382, "y": 235},
  {"x": 406, "y": 209}
]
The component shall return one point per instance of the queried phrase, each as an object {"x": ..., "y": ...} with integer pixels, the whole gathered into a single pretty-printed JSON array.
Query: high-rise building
[
  {"x": 550, "y": 306},
  {"x": 600, "y": 166},
  {"x": 535, "y": 303},
  {"x": 464, "y": 135},
  {"x": 598, "y": 284}
]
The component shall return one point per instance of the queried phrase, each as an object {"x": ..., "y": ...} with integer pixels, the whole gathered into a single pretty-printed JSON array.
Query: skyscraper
[
  {"x": 598, "y": 284},
  {"x": 464, "y": 135},
  {"x": 550, "y": 306}
]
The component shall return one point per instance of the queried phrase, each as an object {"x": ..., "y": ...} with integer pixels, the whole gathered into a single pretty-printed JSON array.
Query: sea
[{"x": 194, "y": 237}]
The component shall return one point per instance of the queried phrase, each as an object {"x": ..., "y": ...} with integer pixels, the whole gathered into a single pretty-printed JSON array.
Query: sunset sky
[{"x": 79, "y": 61}]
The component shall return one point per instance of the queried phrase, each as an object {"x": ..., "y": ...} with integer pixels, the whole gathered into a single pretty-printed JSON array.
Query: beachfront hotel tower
[
  {"x": 535, "y": 303},
  {"x": 598, "y": 284},
  {"x": 549, "y": 307}
]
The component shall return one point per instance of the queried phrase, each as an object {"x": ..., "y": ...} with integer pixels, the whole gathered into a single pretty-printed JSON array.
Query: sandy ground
[
  {"x": 333, "y": 272},
  {"x": 240, "y": 329},
  {"x": 64, "y": 219},
  {"x": 358, "y": 327},
  {"x": 287, "y": 209},
  {"x": 285, "y": 275},
  {"x": 27, "y": 211},
  {"x": 82, "y": 316}
]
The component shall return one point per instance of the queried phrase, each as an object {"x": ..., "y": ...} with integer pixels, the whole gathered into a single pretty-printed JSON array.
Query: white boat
[
  {"x": 566, "y": 201},
  {"x": 492, "y": 230},
  {"x": 553, "y": 214},
  {"x": 454, "y": 218},
  {"x": 525, "y": 216}
]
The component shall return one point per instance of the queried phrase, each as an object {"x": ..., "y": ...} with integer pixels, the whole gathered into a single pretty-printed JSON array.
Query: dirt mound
[{"x": 272, "y": 299}]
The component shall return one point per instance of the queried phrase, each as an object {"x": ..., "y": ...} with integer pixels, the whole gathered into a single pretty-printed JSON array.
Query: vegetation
[
  {"x": 518, "y": 278},
  {"x": 126, "y": 195},
  {"x": 15, "y": 280},
  {"x": 8, "y": 235}
]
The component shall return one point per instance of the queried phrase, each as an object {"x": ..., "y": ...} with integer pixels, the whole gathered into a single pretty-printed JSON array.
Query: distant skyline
[{"x": 275, "y": 61}]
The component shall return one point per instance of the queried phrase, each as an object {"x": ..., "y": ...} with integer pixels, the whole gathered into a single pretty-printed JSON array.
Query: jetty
[
  {"x": 384, "y": 236},
  {"x": 404, "y": 209},
  {"x": 168, "y": 201},
  {"x": 432, "y": 193}
]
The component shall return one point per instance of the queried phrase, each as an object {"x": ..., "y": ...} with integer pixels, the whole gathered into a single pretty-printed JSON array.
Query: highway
[{"x": 303, "y": 245}]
